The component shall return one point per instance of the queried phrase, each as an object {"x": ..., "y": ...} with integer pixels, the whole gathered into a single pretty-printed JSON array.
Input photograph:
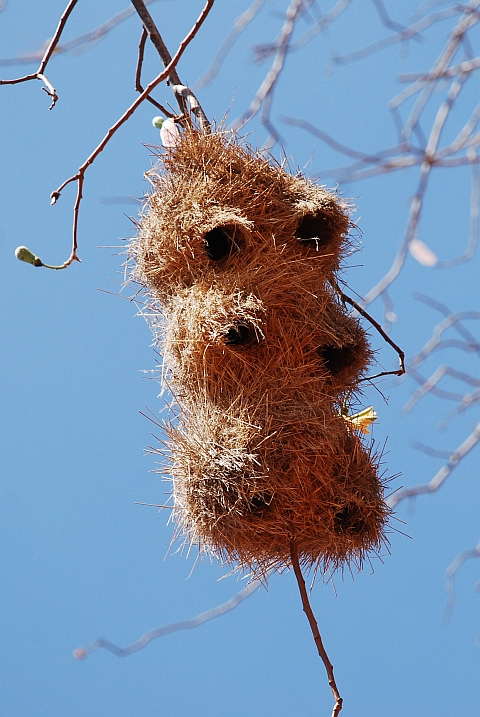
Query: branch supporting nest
[
  {"x": 307, "y": 609},
  {"x": 79, "y": 176},
  {"x": 182, "y": 93}
]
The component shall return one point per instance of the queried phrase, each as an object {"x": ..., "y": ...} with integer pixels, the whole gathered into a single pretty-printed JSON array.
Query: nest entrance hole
[
  {"x": 349, "y": 520},
  {"x": 220, "y": 242},
  {"x": 314, "y": 229},
  {"x": 337, "y": 359},
  {"x": 260, "y": 504},
  {"x": 241, "y": 335}
]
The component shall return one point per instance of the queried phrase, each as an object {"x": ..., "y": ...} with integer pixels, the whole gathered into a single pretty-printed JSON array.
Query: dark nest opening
[
  {"x": 314, "y": 230},
  {"x": 241, "y": 335},
  {"x": 221, "y": 242}
]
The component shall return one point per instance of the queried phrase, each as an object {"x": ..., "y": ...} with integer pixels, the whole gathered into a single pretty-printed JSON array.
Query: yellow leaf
[{"x": 362, "y": 419}]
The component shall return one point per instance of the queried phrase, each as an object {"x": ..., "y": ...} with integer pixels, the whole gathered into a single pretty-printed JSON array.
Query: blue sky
[{"x": 79, "y": 559}]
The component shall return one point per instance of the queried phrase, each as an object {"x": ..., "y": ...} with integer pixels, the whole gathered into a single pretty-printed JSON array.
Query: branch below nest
[{"x": 314, "y": 627}]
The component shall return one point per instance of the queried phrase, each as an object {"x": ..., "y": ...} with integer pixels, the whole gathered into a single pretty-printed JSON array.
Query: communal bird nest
[{"x": 239, "y": 259}]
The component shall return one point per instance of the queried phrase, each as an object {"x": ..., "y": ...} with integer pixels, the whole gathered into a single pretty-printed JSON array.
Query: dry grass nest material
[{"x": 239, "y": 258}]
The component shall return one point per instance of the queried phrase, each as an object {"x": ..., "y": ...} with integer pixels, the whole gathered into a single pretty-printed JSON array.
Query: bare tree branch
[
  {"x": 40, "y": 73},
  {"x": 474, "y": 224},
  {"x": 161, "y": 48},
  {"x": 79, "y": 176},
  {"x": 240, "y": 24},
  {"x": 383, "y": 334},
  {"x": 138, "y": 75},
  {"x": 82, "y": 652},
  {"x": 181, "y": 92},
  {"x": 430, "y": 386},
  {"x": 406, "y": 34},
  {"x": 85, "y": 41},
  {"x": 322, "y": 24},
  {"x": 314, "y": 628},
  {"x": 461, "y": 68},
  {"x": 441, "y": 476},
  {"x": 385, "y": 17},
  {"x": 451, "y": 572},
  {"x": 294, "y": 9}
]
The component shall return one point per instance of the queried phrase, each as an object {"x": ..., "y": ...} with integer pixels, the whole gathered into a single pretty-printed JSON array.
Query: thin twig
[
  {"x": 79, "y": 176},
  {"x": 322, "y": 24},
  {"x": 406, "y": 34},
  {"x": 40, "y": 73},
  {"x": 182, "y": 93},
  {"x": 474, "y": 224},
  {"x": 385, "y": 17},
  {"x": 314, "y": 628},
  {"x": 138, "y": 74},
  {"x": 161, "y": 48},
  {"x": 451, "y": 572},
  {"x": 240, "y": 24},
  {"x": 385, "y": 336},
  {"x": 295, "y": 8}
]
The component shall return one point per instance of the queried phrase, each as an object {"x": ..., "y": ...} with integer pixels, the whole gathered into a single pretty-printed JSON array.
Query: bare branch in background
[
  {"x": 474, "y": 224},
  {"x": 430, "y": 155},
  {"x": 385, "y": 17},
  {"x": 451, "y": 572},
  {"x": 441, "y": 476},
  {"x": 430, "y": 385},
  {"x": 241, "y": 22},
  {"x": 429, "y": 451},
  {"x": 81, "y": 43},
  {"x": 468, "y": 344},
  {"x": 407, "y": 33},
  {"x": 82, "y": 652},
  {"x": 267, "y": 87},
  {"x": 322, "y": 24}
]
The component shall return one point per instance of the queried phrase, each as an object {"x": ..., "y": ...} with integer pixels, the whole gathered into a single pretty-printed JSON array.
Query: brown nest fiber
[{"x": 239, "y": 260}]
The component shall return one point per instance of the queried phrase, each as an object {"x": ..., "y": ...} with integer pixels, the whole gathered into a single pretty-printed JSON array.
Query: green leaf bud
[{"x": 26, "y": 255}]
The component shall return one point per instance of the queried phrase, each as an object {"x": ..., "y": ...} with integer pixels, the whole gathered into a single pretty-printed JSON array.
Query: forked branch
[
  {"x": 80, "y": 175},
  {"x": 138, "y": 75},
  {"x": 40, "y": 73},
  {"x": 307, "y": 609},
  {"x": 182, "y": 93}
]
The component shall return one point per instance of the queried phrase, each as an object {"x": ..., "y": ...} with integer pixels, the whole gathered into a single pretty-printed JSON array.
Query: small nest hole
[
  {"x": 349, "y": 520},
  {"x": 220, "y": 243},
  {"x": 314, "y": 229},
  {"x": 241, "y": 335},
  {"x": 260, "y": 504},
  {"x": 336, "y": 359}
]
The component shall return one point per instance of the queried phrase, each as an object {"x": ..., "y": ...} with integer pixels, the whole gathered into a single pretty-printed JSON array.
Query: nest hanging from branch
[{"x": 239, "y": 259}]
